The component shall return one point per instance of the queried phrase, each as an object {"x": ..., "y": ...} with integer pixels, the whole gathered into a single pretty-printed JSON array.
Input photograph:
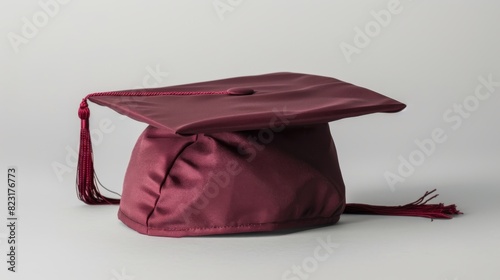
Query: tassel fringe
[{"x": 418, "y": 208}]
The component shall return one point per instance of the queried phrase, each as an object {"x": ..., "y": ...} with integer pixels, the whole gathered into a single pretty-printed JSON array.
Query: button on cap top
[{"x": 240, "y": 91}]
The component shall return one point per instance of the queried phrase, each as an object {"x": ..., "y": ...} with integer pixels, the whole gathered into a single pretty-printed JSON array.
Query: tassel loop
[{"x": 84, "y": 111}]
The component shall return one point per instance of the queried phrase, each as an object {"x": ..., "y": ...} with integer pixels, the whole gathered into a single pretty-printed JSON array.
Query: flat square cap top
[{"x": 246, "y": 103}]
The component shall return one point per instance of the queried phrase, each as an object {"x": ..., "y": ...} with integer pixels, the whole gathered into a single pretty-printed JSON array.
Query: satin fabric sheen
[
  {"x": 312, "y": 99},
  {"x": 204, "y": 184},
  {"x": 220, "y": 164}
]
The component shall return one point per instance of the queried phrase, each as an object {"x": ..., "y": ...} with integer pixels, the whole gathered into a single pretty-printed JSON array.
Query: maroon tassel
[
  {"x": 418, "y": 208},
  {"x": 85, "y": 180}
]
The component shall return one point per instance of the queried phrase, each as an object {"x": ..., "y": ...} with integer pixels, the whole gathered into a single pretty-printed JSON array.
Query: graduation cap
[{"x": 244, "y": 154}]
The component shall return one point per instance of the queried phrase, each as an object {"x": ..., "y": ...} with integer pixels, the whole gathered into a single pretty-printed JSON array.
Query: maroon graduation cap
[{"x": 244, "y": 154}]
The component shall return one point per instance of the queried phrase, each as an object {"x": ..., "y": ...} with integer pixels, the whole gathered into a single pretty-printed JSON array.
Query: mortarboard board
[{"x": 243, "y": 154}]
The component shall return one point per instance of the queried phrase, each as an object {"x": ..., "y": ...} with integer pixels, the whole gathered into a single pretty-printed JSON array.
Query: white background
[{"x": 430, "y": 56}]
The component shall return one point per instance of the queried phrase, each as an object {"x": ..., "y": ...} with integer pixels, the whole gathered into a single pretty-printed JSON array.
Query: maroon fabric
[
  {"x": 256, "y": 156},
  {"x": 222, "y": 183},
  {"x": 312, "y": 99}
]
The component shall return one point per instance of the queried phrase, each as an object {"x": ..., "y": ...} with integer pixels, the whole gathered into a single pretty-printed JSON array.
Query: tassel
[
  {"x": 86, "y": 180},
  {"x": 418, "y": 208}
]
